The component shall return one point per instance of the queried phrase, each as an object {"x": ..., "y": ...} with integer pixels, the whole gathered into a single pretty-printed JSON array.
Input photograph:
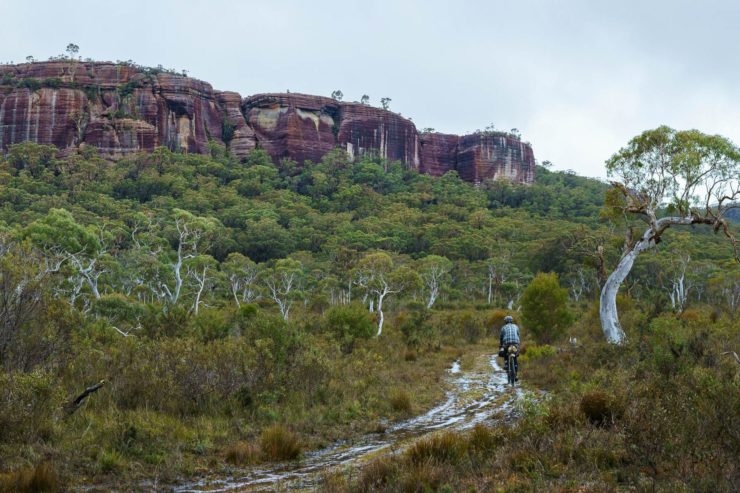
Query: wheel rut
[{"x": 475, "y": 396}]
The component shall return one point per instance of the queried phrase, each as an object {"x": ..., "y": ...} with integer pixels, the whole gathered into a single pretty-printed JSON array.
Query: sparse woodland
[{"x": 228, "y": 313}]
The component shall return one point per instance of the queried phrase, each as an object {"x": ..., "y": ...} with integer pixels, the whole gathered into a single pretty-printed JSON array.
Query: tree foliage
[{"x": 545, "y": 308}]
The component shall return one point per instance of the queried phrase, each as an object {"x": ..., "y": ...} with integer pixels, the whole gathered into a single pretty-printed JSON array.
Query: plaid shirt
[{"x": 509, "y": 335}]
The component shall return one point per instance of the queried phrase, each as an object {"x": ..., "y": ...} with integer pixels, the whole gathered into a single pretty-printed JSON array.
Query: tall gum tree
[
  {"x": 668, "y": 178},
  {"x": 380, "y": 279}
]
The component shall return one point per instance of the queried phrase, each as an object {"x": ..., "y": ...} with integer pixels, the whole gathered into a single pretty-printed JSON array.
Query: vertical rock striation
[
  {"x": 122, "y": 109},
  {"x": 365, "y": 129},
  {"x": 293, "y": 126}
]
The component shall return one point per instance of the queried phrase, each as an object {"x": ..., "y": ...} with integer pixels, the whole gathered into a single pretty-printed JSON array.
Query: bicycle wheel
[{"x": 512, "y": 370}]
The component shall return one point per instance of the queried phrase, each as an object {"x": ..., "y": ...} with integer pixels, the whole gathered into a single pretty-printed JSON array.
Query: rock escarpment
[
  {"x": 123, "y": 109},
  {"x": 117, "y": 108}
]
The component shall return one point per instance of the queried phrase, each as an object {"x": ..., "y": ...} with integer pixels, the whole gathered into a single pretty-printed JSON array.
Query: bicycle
[{"x": 511, "y": 364}]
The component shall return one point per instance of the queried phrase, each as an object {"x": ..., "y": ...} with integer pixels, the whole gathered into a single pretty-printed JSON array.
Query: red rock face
[
  {"x": 485, "y": 157},
  {"x": 478, "y": 157},
  {"x": 294, "y": 126},
  {"x": 116, "y": 108},
  {"x": 243, "y": 139},
  {"x": 364, "y": 130},
  {"x": 46, "y": 116},
  {"x": 438, "y": 153},
  {"x": 122, "y": 109}
]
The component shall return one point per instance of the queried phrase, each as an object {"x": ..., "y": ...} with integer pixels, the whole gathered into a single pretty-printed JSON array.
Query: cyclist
[{"x": 509, "y": 336}]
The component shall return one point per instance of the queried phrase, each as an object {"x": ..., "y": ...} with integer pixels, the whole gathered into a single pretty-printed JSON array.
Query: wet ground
[{"x": 475, "y": 396}]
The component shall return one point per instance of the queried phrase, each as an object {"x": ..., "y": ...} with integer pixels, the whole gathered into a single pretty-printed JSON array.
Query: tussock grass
[
  {"x": 39, "y": 479},
  {"x": 242, "y": 454},
  {"x": 279, "y": 443},
  {"x": 400, "y": 401},
  {"x": 445, "y": 448},
  {"x": 377, "y": 474}
]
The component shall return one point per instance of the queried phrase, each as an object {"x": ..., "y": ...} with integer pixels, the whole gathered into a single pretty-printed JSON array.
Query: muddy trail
[{"x": 475, "y": 396}]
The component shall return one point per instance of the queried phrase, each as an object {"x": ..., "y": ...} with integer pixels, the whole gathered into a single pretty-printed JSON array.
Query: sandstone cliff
[{"x": 122, "y": 109}]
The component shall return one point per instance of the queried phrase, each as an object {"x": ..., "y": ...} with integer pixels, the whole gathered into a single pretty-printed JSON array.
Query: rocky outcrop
[
  {"x": 494, "y": 155},
  {"x": 478, "y": 157},
  {"x": 235, "y": 132},
  {"x": 364, "y": 129},
  {"x": 117, "y": 108},
  {"x": 294, "y": 126},
  {"x": 438, "y": 153},
  {"x": 122, "y": 109}
]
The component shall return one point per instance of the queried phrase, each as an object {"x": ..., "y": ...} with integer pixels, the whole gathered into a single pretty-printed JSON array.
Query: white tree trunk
[
  {"x": 608, "y": 301},
  {"x": 177, "y": 268},
  {"x": 236, "y": 287},
  {"x": 608, "y": 304},
  {"x": 201, "y": 279},
  {"x": 490, "y": 288},
  {"x": 381, "y": 318},
  {"x": 433, "y": 293}
]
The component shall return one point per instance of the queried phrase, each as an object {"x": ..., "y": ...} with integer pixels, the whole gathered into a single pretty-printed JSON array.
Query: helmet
[{"x": 508, "y": 319}]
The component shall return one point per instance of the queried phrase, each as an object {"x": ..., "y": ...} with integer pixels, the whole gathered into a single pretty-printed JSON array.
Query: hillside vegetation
[{"x": 238, "y": 312}]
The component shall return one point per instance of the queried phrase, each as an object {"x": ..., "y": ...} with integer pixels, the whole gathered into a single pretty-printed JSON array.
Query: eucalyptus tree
[
  {"x": 192, "y": 236},
  {"x": 498, "y": 268},
  {"x": 668, "y": 178},
  {"x": 433, "y": 270},
  {"x": 199, "y": 271},
  {"x": 241, "y": 274},
  {"x": 378, "y": 276},
  {"x": 283, "y": 281},
  {"x": 724, "y": 287},
  {"x": 84, "y": 248}
]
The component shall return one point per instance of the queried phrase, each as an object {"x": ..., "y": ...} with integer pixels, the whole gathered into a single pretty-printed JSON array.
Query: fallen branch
[{"x": 75, "y": 404}]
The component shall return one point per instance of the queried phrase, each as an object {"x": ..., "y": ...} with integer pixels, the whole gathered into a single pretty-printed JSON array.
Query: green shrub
[
  {"x": 27, "y": 403},
  {"x": 415, "y": 327},
  {"x": 211, "y": 324},
  {"x": 118, "y": 308},
  {"x": 127, "y": 89},
  {"x": 167, "y": 322},
  {"x": 545, "y": 307},
  {"x": 471, "y": 326},
  {"x": 53, "y": 82},
  {"x": 535, "y": 351},
  {"x": 228, "y": 128},
  {"x": 30, "y": 83},
  {"x": 598, "y": 407},
  {"x": 8, "y": 79},
  {"x": 349, "y": 322},
  {"x": 468, "y": 325}
]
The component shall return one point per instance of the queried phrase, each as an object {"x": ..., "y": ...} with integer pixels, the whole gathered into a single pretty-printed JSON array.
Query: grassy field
[{"x": 659, "y": 414}]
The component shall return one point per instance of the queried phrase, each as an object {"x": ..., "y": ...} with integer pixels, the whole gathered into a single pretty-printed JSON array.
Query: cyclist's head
[{"x": 508, "y": 319}]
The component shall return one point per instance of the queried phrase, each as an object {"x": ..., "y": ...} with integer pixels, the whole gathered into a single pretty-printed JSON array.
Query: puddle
[{"x": 474, "y": 396}]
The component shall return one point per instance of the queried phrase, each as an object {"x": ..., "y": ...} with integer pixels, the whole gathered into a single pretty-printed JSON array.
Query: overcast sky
[{"x": 577, "y": 78}]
